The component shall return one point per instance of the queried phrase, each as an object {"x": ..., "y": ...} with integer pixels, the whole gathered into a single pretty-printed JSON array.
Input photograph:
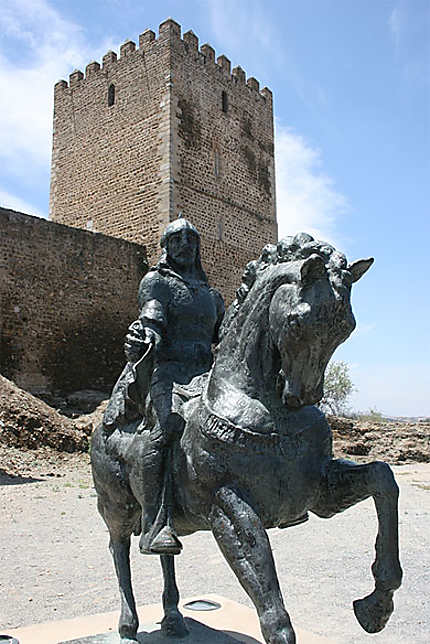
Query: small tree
[{"x": 338, "y": 387}]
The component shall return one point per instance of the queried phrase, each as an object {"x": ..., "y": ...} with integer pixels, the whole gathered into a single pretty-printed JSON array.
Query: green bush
[
  {"x": 338, "y": 387},
  {"x": 371, "y": 415}
]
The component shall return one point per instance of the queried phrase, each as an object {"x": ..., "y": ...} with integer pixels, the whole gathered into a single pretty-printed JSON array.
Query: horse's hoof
[
  {"x": 285, "y": 636},
  {"x": 277, "y": 632},
  {"x": 174, "y": 626},
  {"x": 373, "y": 611},
  {"x": 128, "y": 630}
]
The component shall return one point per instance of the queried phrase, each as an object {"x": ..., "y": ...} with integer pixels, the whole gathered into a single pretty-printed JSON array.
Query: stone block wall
[
  {"x": 222, "y": 158},
  {"x": 163, "y": 128},
  {"x": 67, "y": 298},
  {"x": 110, "y": 156}
]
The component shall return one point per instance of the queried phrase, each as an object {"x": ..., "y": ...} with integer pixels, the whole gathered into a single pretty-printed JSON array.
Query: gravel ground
[{"x": 56, "y": 564}]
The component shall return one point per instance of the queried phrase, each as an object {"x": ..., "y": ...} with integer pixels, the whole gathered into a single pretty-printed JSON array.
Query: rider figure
[{"x": 180, "y": 316}]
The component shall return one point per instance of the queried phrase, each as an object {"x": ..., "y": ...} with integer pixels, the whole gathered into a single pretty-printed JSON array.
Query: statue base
[
  {"x": 150, "y": 634},
  {"x": 230, "y": 624}
]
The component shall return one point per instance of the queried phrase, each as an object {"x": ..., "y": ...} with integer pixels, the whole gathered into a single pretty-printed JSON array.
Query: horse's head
[{"x": 310, "y": 313}]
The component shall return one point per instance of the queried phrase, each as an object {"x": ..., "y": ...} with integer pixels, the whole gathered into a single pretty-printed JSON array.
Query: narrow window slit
[{"x": 111, "y": 95}]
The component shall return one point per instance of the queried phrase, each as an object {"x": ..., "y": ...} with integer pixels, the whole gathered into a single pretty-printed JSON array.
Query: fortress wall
[
  {"x": 223, "y": 158},
  {"x": 184, "y": 133},
  {"x": 110, "y": 162},
  {"x": 67, "y": 298}
]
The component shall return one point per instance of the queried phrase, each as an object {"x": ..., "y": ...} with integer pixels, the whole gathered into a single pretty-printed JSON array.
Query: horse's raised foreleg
[
  {"x": 173, "y": 623},
  {"x": 345, "y": 484},
  {"x": 245, "y": 545}
]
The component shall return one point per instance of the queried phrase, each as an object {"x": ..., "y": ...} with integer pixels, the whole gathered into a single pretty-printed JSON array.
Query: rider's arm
[{"x": 150, "y": 326}]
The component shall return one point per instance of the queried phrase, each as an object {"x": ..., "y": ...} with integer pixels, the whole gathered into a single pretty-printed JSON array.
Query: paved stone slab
[
  {"x": 231, "y": 623},
  {"x": 151, "y": 634}
]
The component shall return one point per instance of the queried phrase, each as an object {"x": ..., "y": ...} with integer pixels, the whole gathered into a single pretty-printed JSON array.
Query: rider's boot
[
  {"x": 158, "y": 535},
  {"x": 166, "y": 542},
  {"x": 148, "y": 522}
]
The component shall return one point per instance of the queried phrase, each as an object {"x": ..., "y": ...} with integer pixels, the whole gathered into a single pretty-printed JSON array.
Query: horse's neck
[{"x": 242, "y": 381}]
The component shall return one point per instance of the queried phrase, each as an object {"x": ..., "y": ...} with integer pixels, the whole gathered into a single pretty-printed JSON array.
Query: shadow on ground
[
  {"x": 199, "y": 634},
  {"x": 11, "y": 479}
]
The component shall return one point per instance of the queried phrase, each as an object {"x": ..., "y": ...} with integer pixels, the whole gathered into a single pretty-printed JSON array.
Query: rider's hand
[
  {"x": 152, "y": 337},
  {"x": 137, "y": 340}
]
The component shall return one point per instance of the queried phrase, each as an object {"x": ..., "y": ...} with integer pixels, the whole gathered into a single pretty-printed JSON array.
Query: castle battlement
[
  {"x": 162, "y": 126},
  {"x": 169, "y": 33}
]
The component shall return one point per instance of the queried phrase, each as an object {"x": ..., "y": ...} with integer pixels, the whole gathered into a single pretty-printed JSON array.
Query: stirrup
[{"x": 166, "y": 543}]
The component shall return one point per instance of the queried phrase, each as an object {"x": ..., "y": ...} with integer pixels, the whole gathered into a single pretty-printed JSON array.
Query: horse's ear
[
  {"x": 359, "y": 267},
  {"x": 312, "y": 269}
]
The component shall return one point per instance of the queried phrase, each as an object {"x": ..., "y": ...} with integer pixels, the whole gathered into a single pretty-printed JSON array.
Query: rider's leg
[
  {"x": 345, "y": 484},
  {"x": 152, "y": 485},
  {"x": 158, "y": 535},
  {"x": 244, "y": 543}
]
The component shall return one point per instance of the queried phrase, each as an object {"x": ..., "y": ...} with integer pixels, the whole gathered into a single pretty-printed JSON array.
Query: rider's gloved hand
[
  {"x": 134, "y": 343},
  {"x": 152, "y": 337},
  {"x": 137, "y": 340}
]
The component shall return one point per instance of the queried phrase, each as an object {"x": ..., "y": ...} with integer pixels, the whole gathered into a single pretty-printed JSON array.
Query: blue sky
[{"x": 351, "y": 84}]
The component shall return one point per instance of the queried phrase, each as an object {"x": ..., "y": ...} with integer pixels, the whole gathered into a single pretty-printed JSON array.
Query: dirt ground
[{"x": 56, "y": 563}]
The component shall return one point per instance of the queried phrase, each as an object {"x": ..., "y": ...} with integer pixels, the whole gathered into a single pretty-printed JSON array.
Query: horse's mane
[{"x": 289, "y": 249}]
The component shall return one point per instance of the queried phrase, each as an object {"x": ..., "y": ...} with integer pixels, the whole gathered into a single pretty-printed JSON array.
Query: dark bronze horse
[{"x": 256, "y": 453}]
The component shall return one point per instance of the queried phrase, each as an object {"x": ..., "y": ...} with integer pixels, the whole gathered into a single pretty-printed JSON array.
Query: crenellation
[
  {"x": 92, "y": 69},
  {"x": 268, "y": 95},
  {"x": 146, "y": 39},
  {"x": 191, "y": 40},
  {"x": 109, "y": 59},
  {"x": 75, "y": 78},
  {"x": 253, "y": 83},
  {"x": 127, "y": 48},
  {"x": 169, "y": 29},
  {"x": 208, "y": 52},
  {"x": 224, "y": 63},
  {"x": 60, "y": 86},
  {"x": 180, "y": 131},
  {"x": 239, "y": 74}
]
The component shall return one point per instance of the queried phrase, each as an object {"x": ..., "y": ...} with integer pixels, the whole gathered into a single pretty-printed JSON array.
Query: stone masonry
[
  {"x": 167, "y": 127},
  {"x": 67, "y": 297}
]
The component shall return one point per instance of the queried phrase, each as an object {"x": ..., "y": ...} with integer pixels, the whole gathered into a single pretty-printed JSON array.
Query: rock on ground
[
  {"x": 27, "y": 422},
  {"x": 394, "y": 442}
]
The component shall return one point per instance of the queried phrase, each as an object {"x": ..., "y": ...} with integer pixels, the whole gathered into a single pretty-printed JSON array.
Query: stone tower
[{"x": 161, "y": 129}]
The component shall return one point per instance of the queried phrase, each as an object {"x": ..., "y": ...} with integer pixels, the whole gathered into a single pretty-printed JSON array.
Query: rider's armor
[{"x": 184, "y": 318}]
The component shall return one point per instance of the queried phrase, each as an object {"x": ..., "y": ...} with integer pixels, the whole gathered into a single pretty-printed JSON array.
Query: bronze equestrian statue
[{"x": 238, "y": 446}]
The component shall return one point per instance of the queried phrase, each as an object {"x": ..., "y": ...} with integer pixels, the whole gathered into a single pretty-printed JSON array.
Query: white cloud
[
  {"x": 13, "y": 202},
  {"x": 307, "y": 199},
  {"x": 409, "y": 24},
  {"x": 395, "y": 23},
  {"x": 38, "y": 48}
]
